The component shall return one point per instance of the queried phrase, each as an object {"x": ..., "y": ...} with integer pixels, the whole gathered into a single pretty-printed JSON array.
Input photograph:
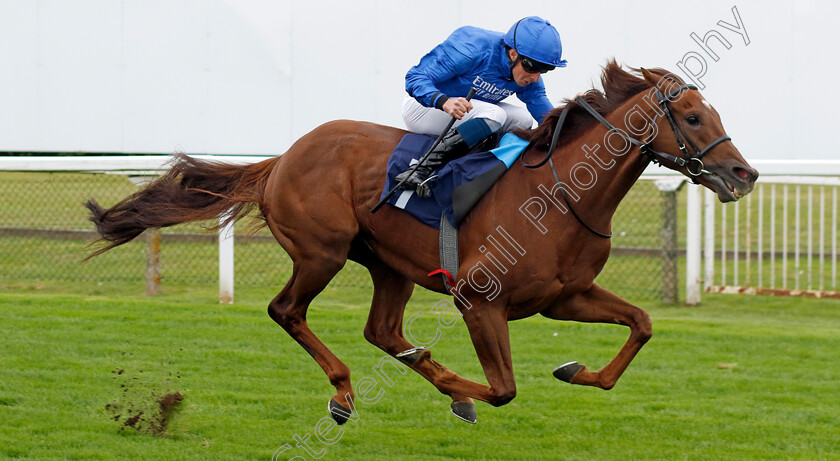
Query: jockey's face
[{"x": 520, "y": 76}]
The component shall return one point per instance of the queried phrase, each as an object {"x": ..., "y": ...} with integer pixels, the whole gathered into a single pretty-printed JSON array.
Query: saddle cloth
[{"x": 459, "y": 185}]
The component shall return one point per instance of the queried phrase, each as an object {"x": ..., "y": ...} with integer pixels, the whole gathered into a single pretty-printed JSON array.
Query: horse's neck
[{"x": 595, "y": 198}]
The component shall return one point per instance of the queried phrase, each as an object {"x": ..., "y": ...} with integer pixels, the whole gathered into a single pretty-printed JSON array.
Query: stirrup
[
  {"x": 422, "y": 190},
  {"x": 423, "y": 184}
]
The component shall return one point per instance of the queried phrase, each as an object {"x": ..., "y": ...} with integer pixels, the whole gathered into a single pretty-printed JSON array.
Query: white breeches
[{"x": 431, "y": 121}]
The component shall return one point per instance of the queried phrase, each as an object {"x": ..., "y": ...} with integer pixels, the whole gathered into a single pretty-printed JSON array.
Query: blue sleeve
[
  {"x": 446, "y": 61},
  {"x": 536, "y": 100}
]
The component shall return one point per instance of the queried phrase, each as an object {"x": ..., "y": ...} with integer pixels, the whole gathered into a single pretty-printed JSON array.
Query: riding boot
[{"x": 450, "y": 147}]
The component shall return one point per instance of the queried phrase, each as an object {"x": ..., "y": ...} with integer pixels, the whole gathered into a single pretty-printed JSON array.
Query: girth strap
[{"x": 448, "y": 244}]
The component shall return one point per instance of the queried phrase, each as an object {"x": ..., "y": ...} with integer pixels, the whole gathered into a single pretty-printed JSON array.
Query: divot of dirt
[{"x": 143, "y": 410}]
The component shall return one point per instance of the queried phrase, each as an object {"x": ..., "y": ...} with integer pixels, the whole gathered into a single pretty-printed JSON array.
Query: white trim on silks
[{"x": 402, "y": 201}]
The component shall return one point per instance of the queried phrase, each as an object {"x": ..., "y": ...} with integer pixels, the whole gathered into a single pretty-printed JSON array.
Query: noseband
[{"x": 655, "y": 156}]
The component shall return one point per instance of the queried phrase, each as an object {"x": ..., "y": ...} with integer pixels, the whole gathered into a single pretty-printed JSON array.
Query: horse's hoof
[
  {"x": 411, "y": 356},
  {"x": 465, "y": 411},
  {"x": 339, "y": 414},
  {"x": 566, "y": 371}
]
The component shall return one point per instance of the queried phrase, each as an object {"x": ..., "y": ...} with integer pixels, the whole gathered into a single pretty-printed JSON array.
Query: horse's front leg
[{"x": 598, "y": 305}]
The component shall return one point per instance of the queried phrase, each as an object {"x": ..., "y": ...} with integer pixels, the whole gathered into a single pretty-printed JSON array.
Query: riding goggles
[{"x": 532, "y": 67}]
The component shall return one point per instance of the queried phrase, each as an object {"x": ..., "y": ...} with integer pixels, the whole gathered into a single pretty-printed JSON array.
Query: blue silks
[{"x": 474, "y": 130}]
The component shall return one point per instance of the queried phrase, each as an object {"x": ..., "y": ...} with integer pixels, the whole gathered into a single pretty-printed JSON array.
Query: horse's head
[{"x": 689, "y": 138}]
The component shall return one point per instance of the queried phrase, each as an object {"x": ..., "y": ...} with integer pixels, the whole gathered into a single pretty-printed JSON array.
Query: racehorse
[{"x": 547, "y": 229}]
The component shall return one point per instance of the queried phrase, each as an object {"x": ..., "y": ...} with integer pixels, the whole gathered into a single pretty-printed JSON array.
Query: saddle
[
  {"x": 459, "y": 185},
  {"x": 457, "y": 188}
]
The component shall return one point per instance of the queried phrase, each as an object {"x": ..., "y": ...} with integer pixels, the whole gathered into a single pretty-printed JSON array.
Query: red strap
[{"x": 450, "y": 280}]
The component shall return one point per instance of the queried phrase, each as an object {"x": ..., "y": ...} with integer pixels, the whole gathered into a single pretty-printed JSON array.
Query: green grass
[{"x": 738, "y": 378}]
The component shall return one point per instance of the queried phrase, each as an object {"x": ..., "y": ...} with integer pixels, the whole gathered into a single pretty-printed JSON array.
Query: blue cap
[{"x": 536, "y": 38}]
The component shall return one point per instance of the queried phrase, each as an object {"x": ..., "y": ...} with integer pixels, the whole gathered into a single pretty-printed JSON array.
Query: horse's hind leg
[
  {"x": 598, "y": 305},
  {"x": 288, "y": 309},
  {"x": 311, "y": 216}
]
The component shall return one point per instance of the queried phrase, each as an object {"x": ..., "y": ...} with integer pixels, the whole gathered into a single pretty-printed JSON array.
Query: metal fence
[
  {"x": 44, "y": 232},
  {"x": 780, "y": 240}
]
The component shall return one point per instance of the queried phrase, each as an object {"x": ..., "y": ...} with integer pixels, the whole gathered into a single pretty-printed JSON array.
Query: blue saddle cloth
[{"x": 460, "y": 184}]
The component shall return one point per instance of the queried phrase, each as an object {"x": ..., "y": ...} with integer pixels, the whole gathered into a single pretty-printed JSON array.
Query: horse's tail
[{"x": 192, "y": 190}]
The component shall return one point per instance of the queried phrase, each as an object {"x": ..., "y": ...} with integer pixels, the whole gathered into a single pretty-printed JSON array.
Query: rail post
[
  {"x": 693, "y": 237},
  {"x": 225, "y": 261},
  {"x": 670, "y": 273},
  {"x": 152, "y": 238}
]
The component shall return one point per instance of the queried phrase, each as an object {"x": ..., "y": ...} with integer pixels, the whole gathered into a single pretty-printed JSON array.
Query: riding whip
[{"x": 422, "y": 159}]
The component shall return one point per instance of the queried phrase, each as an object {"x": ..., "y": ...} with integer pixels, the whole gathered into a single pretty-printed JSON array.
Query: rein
[
  {"x": 645, "y": 148},
  {"x": 548, "y": 159}
]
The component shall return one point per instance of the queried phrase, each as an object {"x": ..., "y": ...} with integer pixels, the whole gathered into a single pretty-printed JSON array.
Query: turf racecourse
[{"x": 738, "y": 378}]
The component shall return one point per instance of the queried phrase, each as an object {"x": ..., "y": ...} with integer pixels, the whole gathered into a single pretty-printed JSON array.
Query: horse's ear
[
  {"x": 652, "y": 79},
  {"x": 661, "y": 82}
]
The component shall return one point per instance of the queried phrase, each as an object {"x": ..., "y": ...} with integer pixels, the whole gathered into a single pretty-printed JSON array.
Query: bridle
[
  {"x": 653, "y": 155},
  {"x": 679, "y": 134},
  {"x": 682, "y": 138}
]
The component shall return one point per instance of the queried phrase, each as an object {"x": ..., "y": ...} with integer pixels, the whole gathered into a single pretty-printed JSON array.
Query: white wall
[{"x": 250, "y": 77}]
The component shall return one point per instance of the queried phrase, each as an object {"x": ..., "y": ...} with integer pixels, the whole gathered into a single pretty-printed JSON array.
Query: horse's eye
[{"x": 693, "y": 120}]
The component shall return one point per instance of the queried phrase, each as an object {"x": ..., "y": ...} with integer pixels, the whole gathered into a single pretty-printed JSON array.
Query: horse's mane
[{"x": 619, "y": 86}]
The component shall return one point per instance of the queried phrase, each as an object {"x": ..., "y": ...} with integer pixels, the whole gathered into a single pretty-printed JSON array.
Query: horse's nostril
[{"x": 742, "y": 173}]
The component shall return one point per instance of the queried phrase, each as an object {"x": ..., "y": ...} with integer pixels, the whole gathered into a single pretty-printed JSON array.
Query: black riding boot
[{"x": 450, "y": 147}]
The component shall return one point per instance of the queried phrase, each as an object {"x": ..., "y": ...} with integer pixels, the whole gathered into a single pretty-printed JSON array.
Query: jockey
[{"x": 497, "y": 65}]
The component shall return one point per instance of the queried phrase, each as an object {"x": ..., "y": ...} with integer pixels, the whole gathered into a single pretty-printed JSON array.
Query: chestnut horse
[{"x": 545, "y": 228}]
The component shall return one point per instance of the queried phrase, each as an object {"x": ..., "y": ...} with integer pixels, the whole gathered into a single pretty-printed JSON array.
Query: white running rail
[{"x": 779, "y": 240}]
